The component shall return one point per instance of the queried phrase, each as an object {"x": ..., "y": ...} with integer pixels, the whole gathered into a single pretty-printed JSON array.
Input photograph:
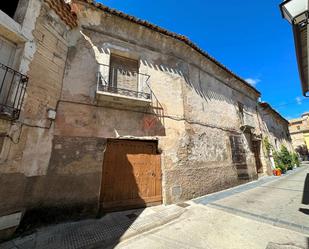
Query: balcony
[
  {"x": 247, "y": 122},
  {"x": 12, "y": 92},
  {"x": 121, "y": 86}
]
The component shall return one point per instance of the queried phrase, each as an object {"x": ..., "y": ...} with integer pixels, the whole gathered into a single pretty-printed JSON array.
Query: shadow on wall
[
  {"x": 194, "y": 76},
  {"x": 305, "y": 199},
  {"x": 200, "y": 83},
  {"x": 69, "y": 190},
  {"x": 153, "y": 119}
]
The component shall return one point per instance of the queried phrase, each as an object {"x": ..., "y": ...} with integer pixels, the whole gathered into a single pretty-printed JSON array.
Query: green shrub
[
  {"x": 286, "y": 157},
  {"x": 285, "y": 160},
  {"x": 295, "y": 159},
  {"x": 267, "y": 145},
  {"x": 278, "y": 161}
]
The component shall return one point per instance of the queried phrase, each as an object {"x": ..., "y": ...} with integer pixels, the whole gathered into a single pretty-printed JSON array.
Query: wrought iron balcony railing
[
  {"x": 125, "y": 92},
  {"x": 123, "y": 82},
  {"x": 12, "y": 91}
]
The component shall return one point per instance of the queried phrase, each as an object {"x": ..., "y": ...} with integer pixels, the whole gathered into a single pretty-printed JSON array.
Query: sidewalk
[
  {"x": 204, "y": 227},
  {"x": 273, "y": 200},
  {"x": 264, "y": 214},
  {"x": 101, "y": 233},
  {"x": 246, "y": 216}
]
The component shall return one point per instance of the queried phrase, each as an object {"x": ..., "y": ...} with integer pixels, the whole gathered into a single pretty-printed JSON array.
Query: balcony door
[
  {"x": 123, "y": 75},
  {"x": 7, "y": 52},
  {"x": 7, "y": 77}
]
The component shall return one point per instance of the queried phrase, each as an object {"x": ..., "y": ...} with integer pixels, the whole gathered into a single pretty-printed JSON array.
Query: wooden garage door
[{"x": 131, "y": 175}]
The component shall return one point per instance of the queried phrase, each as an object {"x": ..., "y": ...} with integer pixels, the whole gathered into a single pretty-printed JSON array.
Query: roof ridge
[{"x": 267, "y": 105}]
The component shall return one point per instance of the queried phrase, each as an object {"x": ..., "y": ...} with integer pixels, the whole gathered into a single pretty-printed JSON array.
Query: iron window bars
[
  {"x": 12, "y": 92},
  {"x": 110, "y": 78}
]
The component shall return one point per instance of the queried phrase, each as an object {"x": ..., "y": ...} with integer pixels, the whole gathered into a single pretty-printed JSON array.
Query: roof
[
  {"x": 176, "y": 36},
  {"x": 265, "y": 105},
  {"x": 64, "y": 12},
  {"x": 295, "y": 120}
]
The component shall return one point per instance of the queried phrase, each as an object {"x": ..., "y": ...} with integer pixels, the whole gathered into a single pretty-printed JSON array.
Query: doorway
[
  {"x": 131, "y": 175},
  {"x": 256, "y": 147}
]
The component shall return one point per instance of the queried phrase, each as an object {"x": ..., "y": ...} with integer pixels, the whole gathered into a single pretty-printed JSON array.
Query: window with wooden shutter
[{"x": 123, "y": 73}]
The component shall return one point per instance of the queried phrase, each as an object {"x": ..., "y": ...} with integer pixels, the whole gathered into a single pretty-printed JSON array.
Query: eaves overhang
[
  {"x": 163, "y": 31},
  {"x": 265, "y": 105},
  {"x": 301, "y": 46}
]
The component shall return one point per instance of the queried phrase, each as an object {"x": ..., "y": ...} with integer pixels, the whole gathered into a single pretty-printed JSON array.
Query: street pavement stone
[
  {"x": 254, "y": 215},
  {"x": 274, "y": 200},
  {"x": 108, "y": 230}
]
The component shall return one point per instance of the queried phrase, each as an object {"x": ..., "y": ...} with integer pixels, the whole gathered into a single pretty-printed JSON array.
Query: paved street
[
  {"x": 264, "y": 214},
  {"x": 277, "y": 202}
]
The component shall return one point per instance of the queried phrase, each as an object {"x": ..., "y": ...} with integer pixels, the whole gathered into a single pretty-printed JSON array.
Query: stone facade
[
  {"x": 204, "y": 117},
  {"x": 27, "y": 142},
  {"x": 199, "y": 101},
  {"x": 276, "y": 129},
  {"x": 299, "y": 130}
]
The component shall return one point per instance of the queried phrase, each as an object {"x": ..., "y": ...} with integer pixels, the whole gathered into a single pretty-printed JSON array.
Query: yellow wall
[{"x": 306, "y": 138}]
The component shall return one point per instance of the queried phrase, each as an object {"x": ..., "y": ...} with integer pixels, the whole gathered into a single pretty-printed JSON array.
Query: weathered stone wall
[
  {"x": 58, "y": 165},
  {"x": 199, "y": 100},
  {"x": 25, "y": 155},
  {"x": 73, "y": 179},
  {"x": 298, "y": 139},
  {"x": 276, "y": 130},
  {"x": 299, "y": 129}
]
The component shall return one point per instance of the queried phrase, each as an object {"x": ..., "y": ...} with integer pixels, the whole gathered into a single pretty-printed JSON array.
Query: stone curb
[
  {"x": 93, "y": 234},
  {"x": 207, "y": 199},
  {"x": 138, "y": 228}
]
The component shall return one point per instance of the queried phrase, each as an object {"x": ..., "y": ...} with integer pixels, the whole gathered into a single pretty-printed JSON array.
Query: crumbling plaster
[
  {"x": 199, "y": 101},
  {"x": 275, "y": 129},
  {"x": 27, "y": 146}
]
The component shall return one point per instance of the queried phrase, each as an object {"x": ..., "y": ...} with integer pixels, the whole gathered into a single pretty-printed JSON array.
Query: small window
[
  {"x": 123, "y": 73},
  {"x": 9, "y": 7},
  {"x": 298, "y": 127}
]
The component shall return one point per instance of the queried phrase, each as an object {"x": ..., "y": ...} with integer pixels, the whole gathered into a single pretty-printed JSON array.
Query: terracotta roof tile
[{"x": 64, "y": 12}]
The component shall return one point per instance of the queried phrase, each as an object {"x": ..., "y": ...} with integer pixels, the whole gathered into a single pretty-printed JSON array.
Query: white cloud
[
  {"x": 299, "y": 100},
  {"x": 252, "y": 81}
]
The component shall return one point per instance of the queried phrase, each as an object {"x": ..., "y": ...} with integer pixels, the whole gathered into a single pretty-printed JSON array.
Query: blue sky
[{"x": 249, "y": 37}]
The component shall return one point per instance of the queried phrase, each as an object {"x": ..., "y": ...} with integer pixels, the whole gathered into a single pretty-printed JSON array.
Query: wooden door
[
  {"x": 131, "y": 175},
  {"x": 257, "y": 154}
]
